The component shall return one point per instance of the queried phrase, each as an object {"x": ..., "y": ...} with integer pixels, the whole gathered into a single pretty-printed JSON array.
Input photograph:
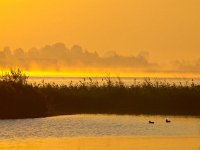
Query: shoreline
[{"x": 111, "y": 114}]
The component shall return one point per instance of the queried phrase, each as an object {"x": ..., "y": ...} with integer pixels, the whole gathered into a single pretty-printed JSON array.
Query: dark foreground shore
[{"x": 19, "y": 99}]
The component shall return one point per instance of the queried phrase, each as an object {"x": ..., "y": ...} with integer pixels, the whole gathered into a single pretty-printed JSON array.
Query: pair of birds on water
[{"x": 152, "y": 122}]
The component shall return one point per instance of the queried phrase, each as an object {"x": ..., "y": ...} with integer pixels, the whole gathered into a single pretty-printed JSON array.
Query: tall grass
[{"x": 19, "y": 99}]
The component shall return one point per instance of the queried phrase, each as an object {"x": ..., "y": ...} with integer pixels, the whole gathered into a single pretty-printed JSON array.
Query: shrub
[{"x": 15, "y": 76}]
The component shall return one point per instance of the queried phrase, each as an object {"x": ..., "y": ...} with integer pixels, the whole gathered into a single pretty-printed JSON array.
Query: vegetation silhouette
[{"x": 20, "y": 99}]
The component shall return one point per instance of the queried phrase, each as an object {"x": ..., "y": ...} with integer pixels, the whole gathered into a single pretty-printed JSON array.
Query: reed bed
[{"x": 20, "y": 99}]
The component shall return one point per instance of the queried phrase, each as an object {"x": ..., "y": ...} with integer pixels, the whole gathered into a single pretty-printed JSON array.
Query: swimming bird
[
  {"x": 151, "y": 122},
  {"x": 168, "y": 121}
]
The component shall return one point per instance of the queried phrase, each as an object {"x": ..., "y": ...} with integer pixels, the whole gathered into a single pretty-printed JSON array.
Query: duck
[
  {"x": 168, "y": 121},
  {"x": 151, "y": 122}
]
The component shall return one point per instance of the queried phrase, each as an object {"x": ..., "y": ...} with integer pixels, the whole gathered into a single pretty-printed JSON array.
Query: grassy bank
[{"x": 19, "y": 99}]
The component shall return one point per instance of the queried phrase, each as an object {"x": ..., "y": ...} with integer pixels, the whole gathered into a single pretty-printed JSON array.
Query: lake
[
  {"x": 101, "y": 132},
  {"x": 126, "y": 80}
]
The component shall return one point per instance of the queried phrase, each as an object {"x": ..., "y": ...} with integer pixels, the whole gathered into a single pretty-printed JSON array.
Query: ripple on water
[{"x": 98, "y": 125}]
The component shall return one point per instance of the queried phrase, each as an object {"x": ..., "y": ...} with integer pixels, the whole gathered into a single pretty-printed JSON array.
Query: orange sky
[{"x": 167, "y": 29}]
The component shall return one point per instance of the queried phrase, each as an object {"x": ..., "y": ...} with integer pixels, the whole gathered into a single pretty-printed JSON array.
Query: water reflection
[
  {"x": 104, "y": 143},
  {"x": 98, "y": 126}
]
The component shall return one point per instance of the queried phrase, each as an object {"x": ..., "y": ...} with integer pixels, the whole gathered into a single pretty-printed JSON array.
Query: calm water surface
[
  {"x": 126, "y": 80},
  {"x": 105, "y": 132},
  {"x": 98, "y": 125}
]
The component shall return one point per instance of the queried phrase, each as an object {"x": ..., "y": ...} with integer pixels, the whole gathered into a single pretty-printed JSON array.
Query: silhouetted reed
[{"x": 20, "y": 99}]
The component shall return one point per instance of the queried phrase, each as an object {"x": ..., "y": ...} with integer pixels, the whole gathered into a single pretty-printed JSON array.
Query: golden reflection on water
[{"x": 105, "y": 143}]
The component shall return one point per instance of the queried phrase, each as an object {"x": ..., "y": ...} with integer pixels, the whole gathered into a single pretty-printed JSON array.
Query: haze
[{"x": 166, "y": 29}]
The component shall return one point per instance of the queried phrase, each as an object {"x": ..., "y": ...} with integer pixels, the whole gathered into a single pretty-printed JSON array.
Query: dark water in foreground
[{"x": 105, "y": 132}]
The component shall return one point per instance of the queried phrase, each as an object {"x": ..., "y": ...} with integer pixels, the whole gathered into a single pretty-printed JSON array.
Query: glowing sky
[{"x": 167, "y": 29}]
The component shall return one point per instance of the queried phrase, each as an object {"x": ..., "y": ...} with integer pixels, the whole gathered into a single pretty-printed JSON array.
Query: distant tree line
[{"x": 58, "y": 56}]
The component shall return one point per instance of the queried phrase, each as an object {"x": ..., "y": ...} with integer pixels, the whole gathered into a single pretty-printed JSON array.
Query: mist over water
[
  {"x": 58, "y": 57},
  {"x": 72, "y": 39}
]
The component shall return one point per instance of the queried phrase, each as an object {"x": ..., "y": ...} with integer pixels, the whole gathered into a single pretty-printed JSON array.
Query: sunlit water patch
[{"x": 101, "y": 132}]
